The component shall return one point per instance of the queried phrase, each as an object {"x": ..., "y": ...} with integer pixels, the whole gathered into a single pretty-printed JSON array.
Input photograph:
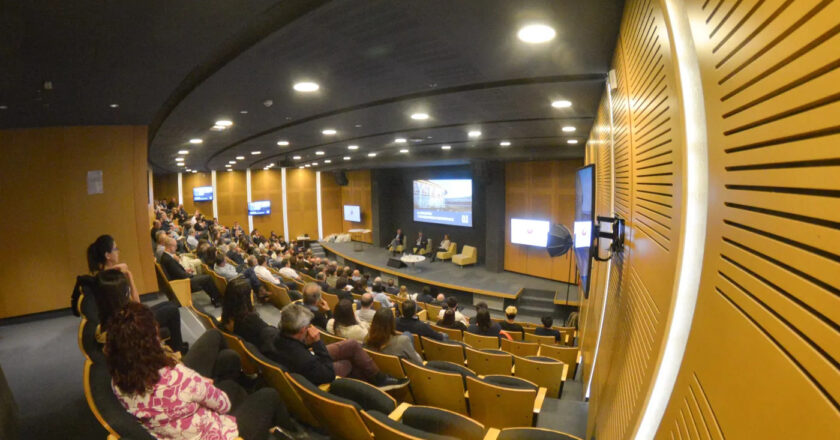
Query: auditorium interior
[{"x": 648, "y": 190}]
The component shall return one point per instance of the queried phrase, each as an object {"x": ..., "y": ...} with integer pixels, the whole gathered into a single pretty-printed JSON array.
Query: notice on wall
[{"x": 94, "y": 182}]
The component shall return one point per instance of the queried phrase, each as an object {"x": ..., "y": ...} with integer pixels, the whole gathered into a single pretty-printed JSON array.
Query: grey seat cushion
[
  {"x": 125, "y": 424},
  {"x": 541, "y": 359},
  {"x": 408, "y": 429},
  {"x": 304, "y": 382},
  {"x": 367, "y": 396},
  {"x": 451, "y": 367},
  {"x": 442, "y": 422},
  {"x": 509, "y": 382},
  {"x": 533, "y": 434}
]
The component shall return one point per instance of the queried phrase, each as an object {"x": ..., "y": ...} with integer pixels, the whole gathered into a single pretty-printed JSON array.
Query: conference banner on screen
[{"x": 443, "y": 201}]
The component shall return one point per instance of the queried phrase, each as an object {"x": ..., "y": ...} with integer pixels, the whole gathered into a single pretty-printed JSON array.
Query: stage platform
[{"x": 491, "y": 287}]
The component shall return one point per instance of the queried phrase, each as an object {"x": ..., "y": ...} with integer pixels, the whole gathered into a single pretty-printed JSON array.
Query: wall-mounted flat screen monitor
[
  {"x": 352, "y": 213},
  {"x": 202, "y": 194},
  {"x": 529, "y": 232},
  {"x": 584, "y": 216},
  {"x": 443, "y": 201},
  {"x": 262, "y": 207}
]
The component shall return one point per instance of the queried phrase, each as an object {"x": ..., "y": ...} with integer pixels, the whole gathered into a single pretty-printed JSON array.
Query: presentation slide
[
  {"x": 352, "y": 213},
  {"x": 202, "y": 194},
  {"x": 443, "y": 201},
  {"x": 530, "y": 232},
  {"x": 261, "y": 207}
]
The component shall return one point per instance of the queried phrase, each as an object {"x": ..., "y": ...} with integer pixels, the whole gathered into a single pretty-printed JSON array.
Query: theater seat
[
  {"x": 446, "y": 255},
  {"x": 468, "y": 255}
]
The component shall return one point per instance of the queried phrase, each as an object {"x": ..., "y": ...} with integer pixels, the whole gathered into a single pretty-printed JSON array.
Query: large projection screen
[{"x": 443, "y": 201}]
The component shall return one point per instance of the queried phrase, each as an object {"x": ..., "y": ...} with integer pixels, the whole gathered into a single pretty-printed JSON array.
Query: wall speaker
[
  {"x": 340, "y": 178},
  {"x": 395, "y": 262}
]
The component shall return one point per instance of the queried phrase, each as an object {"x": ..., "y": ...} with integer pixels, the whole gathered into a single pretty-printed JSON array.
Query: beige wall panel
[
  {"x": 357, "y": 192},
  {"x": 165, "y": 186},
  {"x": 268, "y": 185},
  {"x": 232, "y": 198},
  {"x": 301, "y": 202},
  {"x": 190, "y": 181},
  {"x": 332, "y": 212}
]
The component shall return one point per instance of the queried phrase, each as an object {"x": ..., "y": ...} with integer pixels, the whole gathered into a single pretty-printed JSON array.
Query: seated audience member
[
  {"x": 233, "y": 254},
  {"x": 191, "y": 241},
  {"x": 223, "y": 268},
  {"x": 380, "y": 296},
  {"x": 331, "y": 277},
  {"x": 114, "y": 287},
  {"x": 403, "y": 293},
  {"x": 440, "y": 300},
  {"x": 346, "y": 358},
  {"x": 449, "y": 321},
  {"x": 321, "y": 280},
  {"x": 160, "y": 238},
  {"x": 287, "y": 270},
  {"x": 398, "y": 240},
  {"x": 391, "y": 287},
  {"x": 483, "y": 325},
  {"x": 442, "y": 247},
  {"x": 425, "y": 295},
  {"x": 319, "y": 308},
  {"x": 409, "y": 322},
  {"x": 155, "y": 228},
  {"x": 366, "y": 311},
  {"x": 420, "y": 244},
  {"x": 546, "y": 330},
  {"x": 452, "y": 304},
  {"x": 344, "y": 323},
  {"x": 173, "y": 401},
  {"x": 382, "y": 337},
  {"x": 238, "y": 315},
  {"x": 262, "y": 271},
  {"x": 509, "y": 325},
  {"x": 174, "y": 271}
]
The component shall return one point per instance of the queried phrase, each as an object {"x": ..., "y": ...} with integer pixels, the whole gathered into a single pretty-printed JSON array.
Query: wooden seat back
[
  {"x": 567, "y": 355},
  {"x": 440, "y": 351},
  {"x": 485, "y": 363},
  {"x": 454, "y": 333},
  {"x": 520, "y": 348},
  {"x": 436, "y": 388},
  {"x": 481, "y": 342},
  {"x": 550, "y": 375},
  {"x": 500, "y": 407},
  {"x": 341, "y": 420}
]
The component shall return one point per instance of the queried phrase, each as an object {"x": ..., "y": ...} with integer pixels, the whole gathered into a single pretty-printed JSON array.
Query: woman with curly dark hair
[
  {"x": 238, "y": 315},
  {"x": 171, "y": 400}
]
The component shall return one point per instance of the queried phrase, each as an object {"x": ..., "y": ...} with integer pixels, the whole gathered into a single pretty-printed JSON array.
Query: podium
[{"x": 361, "y": 235}]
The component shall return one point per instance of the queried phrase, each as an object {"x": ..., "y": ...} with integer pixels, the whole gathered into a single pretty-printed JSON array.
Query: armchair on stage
[
  {"x": 468, "y": 255},
  {"x": 447, "y": 254},
  {"x": 399, "y": 248},
  {"x": 427, "y": 250}
]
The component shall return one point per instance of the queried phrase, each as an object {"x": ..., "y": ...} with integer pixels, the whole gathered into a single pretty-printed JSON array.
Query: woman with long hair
[
  {"x": 344, "y": 323},
  {"x": 238, "y": 313},
  {"x": 103, "y": 255},
  {"x": 171, "y": 400},
  {"x": 483, "y": 325},
  {"x": 449, "y": 321},
  {"x": 383, "y": 337}
]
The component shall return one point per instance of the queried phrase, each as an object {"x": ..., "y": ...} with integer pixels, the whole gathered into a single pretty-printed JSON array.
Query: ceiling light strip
[{"x": 285, "y": 209}]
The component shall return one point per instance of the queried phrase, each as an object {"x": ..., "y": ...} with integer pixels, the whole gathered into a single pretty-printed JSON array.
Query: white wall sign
[{"x": 94, "y": 182}]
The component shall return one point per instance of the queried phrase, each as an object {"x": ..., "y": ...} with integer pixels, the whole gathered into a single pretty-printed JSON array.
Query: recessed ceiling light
[
  {"x": 307, "y": 165},
  {"x": 240, "y": 157},
  {"x": 196, "y": 141},
  {"x": 4, "y": 107},
  {"x": 404, "y": 150},
  {"x": 561, "y": 104},
  {"x": 232, "y": 162},
  {"x": 445, "y": 147},
  {"x": 295, "y": 157},
  {"x": 230, "y": 169},
  {"x": 572, "y": 141},
  {"x": 256, "y": 153},
  {"x": 371, "y": 154},
  {"x": 420, "y": 116},
  {"x": 352, "y": 147},
  {"x": 283, "y": 143},
  {"x": 319, "y": 153},
  {"x": 183, "y": 151},
  {"x": 218, "y": 127},
  {"x": 474, "y": 134},
  {"x": 301, "y": 167},
  {"x": 314, "y": 164},
  {"x": 115, "y": 105},
  {"x": 327, "y": 161},
  {"x": 306, "y": 86},
  {"x": 181, "y": 164},
  {"x": 179, "y": 159},
  {"x": 244, "y": 112},
  {"x": 329, "y": 131},
  {"x": 400, "y": 140},
  {"x": 504, "y": 143},
  {"x": 346, "y": 157},
  {"x": 536, "y": 33},
  {"x": 358, "y": 125},
  {"x": 224, "y": 123},
  {"x": 568, "y": 129}
]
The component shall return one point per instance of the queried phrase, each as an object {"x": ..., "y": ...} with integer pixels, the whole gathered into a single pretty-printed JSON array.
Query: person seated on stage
[
  {"x": 391, "y": 287},
  {"x": 397, "y": 241},
  {"x": 483, "y": 325},
  {"x": 546, "y": 330},
  {"x": 346, "y": 358},
  {"x": 449, "y": 321},
  {"x": 409, "y": 322},
  {"x": 260, "y": 266},
  {"x": 383, "y": 338},
  {"x": 420, "y": 244},
  {"x": 442, "y": 247},
  {"x": 319, "y": 308},
  {"x": 379, "y": 294},
  {"x": 223, "y": 268},
  {"x": 172, "y": 268},
  {"x": 508, "y": 324},
  {"x": 344, "y": 323},
  {"x": 452, "y": 304},
  {"x": 366, "y": 310}
]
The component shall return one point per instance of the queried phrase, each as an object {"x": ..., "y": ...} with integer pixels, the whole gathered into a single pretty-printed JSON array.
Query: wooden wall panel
[
  {"x": 358, "y": 192},
  {"x": 331, "y": 209},
  {"x": 232, "y": 198},
  {"x": 165, "y": 186},
  {"x": 190, "y": 181},
  {"x": 544, "y": 191},
  {"x": 268, "y": 185},
  {"x": 301, "y": 202}
]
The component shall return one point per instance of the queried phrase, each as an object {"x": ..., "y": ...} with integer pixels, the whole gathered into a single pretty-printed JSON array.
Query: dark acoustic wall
[{"x": 393, "y": 205}]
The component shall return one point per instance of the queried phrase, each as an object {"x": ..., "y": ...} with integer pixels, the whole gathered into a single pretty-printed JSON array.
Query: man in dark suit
[
  {"x": 234, "y": 255},
  {"x": 175, "y": 271},
  {"x": 420, "y": 244},
  {"x": 409, "y": 322},
  {"x": 398, "y": 240},
  {"x": 313, "y": 301}
]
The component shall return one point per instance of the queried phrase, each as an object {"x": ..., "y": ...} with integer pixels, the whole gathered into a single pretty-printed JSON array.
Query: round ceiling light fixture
[
  {"x": 352, "y": 147},
  {"x": 536, "y": 33},
  {"x": 445, "y": 147},
  {"x": 196, "y": 141},
  {"x": 328, "y": 131},
  {"x": 504, "y": 143},
  {"x": 474, "y": 134},
  {"x": 572, "y": 141},
  {"x": 371, "y": 154},
  {"x": 306, "y": 86}
]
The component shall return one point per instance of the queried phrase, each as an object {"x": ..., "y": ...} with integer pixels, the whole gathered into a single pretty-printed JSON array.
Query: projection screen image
[{"x": 443, "y": 201}]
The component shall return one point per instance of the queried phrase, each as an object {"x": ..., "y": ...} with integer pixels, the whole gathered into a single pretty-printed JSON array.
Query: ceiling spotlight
[
  {"x": 371, "y": 154},
  {"x": 307, "y": 165},
  {"x": 188, "y": 170},
  {"x": 195, "y": 171},
  {"x": 327, "y": 161},
  {"x": 420, "y": 116},
  {"x": 561, "y": 104},
  {"x": 179, "y": 159},
  {"x": 400, "y": 140},
  {"x": 352, "y": 147},
  {"x": 183, "y": 151},
  {"x": 196, "y": 141},
  {"x": 314, "y": 164},
  {"x": 474, "y": 134},
  {"x": 256, "y": 153},
  {"x": 230, "y": 169},
  {"x": 114, "y": 105},
  {"x": 217, "y": 128},
  {"x": 504, "y": 143},
  {"x": 568, "y": 129},
  {"x": 295, "y": 157},
  {"x": 232, "y": 162},
  {"x": 346, "y": 157},
  {"x": 306, "y": 86},
  {"x": 319, "y": 153},
  {"x": 240, "y": 157},
  {"x": 4, "y": 107},
  {"x": 572, "y": 141},
  {"x": 404, "y": 150},
  {"x": 445, "y": 147},
  {"x": 358, "y": 125},
  {"x": 224, "y": 123},
  {"x": 329, "y": 132},
  {"x": 283, "y": 143},
  {"x": 181, "y": 164},
  {"x": 301, "y": 167},
  {"x": 536, "y": 33},
  {"x": 244, "y": 112}
]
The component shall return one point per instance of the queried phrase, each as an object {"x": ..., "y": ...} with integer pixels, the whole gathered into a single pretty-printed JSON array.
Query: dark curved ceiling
[{"x": 180, "y": 66}]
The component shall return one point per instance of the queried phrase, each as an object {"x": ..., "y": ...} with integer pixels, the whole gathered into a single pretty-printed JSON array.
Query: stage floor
[{"x": 474, "y": 279}]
